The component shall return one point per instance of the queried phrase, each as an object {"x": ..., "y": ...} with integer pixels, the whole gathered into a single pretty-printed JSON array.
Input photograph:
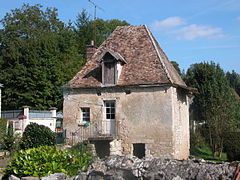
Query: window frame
[
  {"x": 110, "y": 110},
  {"x": 83, "y": 113}
]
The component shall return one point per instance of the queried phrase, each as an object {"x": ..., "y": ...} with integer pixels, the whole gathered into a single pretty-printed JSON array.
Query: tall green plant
[
  {"x": 213, "y": 107},
  {"x": 38, "y": 54},
  {"x": 84, "y": 28},
  {"x": 3, "y": 128},
  {"x": 36, "y": 135}
]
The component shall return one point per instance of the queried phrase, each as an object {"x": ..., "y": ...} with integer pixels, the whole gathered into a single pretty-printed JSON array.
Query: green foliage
[
  {"x": 10, "y": 142},
  {"x": 176, "y": 66},
  {"x": 38, "y": 54},
  {"x": 45, "y": 160},
  {"x": 196, "y": 139},
  {"x": 232, "y": 145},
  {"x": 81, "y": 156},
  {"x": 37, "y": 135},
  {"x": 234, "y": 80},
  {"x": 214, "y": 105},
  {"x": 3, "y": 128},
  {"x": 205, "y": 152},
  {"x": 85, "y": 29}
]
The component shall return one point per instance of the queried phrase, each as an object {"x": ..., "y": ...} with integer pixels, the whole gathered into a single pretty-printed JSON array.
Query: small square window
[{"x": 85, "y": 114}]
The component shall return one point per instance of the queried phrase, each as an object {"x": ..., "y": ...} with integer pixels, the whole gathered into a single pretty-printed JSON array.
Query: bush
[
  {"x": 45, "y": 160},
  {"x": 10, "y": 142},
  {"x": 3, "y": 128},
  {"x": 196, "y": 140},
  {"x": 81, "y": 155},
  {"x": 232, "y": 145},
  {"x": 37, "y": 135}
]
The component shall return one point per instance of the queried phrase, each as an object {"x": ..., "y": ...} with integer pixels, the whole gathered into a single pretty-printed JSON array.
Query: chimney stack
[{"x": 91, "y": 49}]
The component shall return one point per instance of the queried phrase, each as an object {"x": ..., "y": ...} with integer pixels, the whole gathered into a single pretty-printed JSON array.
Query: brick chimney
[{"x": 91, "y": 49}]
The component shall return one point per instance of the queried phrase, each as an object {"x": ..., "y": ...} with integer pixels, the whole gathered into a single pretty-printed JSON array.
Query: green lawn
[{"x": 206, "y": 153}]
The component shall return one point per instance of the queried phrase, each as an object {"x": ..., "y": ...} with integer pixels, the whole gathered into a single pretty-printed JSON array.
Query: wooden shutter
[{"x": 109, "y": 73}]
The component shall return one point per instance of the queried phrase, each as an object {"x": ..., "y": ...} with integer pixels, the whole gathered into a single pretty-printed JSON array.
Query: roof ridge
[{"x": 158, "y": 54}]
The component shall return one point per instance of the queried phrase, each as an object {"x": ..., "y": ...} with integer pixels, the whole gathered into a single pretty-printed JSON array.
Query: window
[
  {"x": 109, "y": 70},
  {"x": 85, "y": 114},
  {"x": 109, "y": 73},
  {"x": 109, "y": 122},
  {"x": 110, "y": 109}
]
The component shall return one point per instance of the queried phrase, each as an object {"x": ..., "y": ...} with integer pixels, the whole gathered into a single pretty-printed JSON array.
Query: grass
[{"x": 205, "y": 152}]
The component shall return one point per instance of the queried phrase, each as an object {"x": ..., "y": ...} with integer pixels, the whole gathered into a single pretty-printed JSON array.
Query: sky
[{"x": 189, "y": 31}]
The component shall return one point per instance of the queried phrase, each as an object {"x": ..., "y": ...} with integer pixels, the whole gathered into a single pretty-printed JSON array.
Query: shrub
[
  {"x": 81, "y": 156},
  {"x": 196, "y": 140},
  {"x": 37, "y": 135},
  {"x": 45, "y": 160},
  {"x": 232, "y": 145},
  {"x": 10, "y": 142},
  {"x": 3, "y": 128}
]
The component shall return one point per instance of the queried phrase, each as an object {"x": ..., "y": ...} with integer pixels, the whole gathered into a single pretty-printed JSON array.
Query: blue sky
[{"x": 189, "y": 31}]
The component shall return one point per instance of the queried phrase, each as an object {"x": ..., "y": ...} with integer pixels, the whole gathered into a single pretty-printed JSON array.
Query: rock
[
  {"x": 126, "y": 167},
  {"x": 56, "y": 176},
  {"x": 12, "y": 177},
  {"x": 30, "y": 178},
  {"x": 80, "y": 176}
]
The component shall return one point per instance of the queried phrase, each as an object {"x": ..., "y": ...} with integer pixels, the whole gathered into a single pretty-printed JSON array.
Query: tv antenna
[{"x": 95, "y": 14}]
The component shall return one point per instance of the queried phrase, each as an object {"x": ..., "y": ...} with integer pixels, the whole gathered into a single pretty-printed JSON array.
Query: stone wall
[
  {"x": 181, "y": 138},
  {"x": 123, "y": 167},
  {"x": 132, "y": 168},
  {"x": 145, "y": 115}
]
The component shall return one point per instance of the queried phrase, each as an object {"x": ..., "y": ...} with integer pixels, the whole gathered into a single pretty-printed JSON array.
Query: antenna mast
[{"x": 95, "y": 14}]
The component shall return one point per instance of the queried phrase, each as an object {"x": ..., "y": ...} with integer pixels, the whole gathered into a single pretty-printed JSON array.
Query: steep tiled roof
[{"x": 146, "y": 62}]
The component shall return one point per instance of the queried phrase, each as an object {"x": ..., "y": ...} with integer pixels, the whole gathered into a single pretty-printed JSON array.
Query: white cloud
[
  {"x": 178, "y": 26},
  {"x": 168, "y": 23},
  {"x": 195, "y": 31}
]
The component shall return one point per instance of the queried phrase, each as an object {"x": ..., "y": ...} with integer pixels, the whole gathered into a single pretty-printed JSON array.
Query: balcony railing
[{"x": 97, "y": 131}]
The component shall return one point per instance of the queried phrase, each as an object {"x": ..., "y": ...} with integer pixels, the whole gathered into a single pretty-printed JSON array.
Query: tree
[
  {"x": 213, "y": 106},
  {"x": 234, "y": 80},
  {"x": 176, "y": 66},
  {"x": 38, "y": 54},
  {"x": 84, "y": 27}
]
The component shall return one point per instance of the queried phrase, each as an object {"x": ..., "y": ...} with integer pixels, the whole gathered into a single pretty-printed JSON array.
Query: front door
[{"x": 109, "y": 122}]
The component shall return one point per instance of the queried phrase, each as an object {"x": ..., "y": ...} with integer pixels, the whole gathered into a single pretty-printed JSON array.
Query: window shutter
[{"x": 109, "y": 73}]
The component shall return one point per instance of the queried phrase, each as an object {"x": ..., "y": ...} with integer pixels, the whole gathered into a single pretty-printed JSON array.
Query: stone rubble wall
[{"x": 132, "y": 168}]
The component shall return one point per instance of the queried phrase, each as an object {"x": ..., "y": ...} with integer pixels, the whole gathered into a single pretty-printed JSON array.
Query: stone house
[{"x": 128, "y": 99}]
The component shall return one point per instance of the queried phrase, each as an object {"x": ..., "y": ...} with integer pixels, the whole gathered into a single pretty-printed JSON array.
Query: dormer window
[{"x": 112, "y": 63}]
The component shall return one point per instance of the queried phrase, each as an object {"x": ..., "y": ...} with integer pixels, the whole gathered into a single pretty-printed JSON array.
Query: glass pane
[
  {"x": 108, "y": 116},
  {"x": 112, "y": 104},
  {"x": 112, "y": 116},
  {"x": 112, "y": 110},
  {"x": 107, "y": 110}
]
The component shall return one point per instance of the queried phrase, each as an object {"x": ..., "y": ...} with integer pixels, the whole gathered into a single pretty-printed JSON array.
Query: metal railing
[
  {"x": 97, "y": 130},
  {"x": 11, "y": 114},
  {"x": 39, "y": 114}
]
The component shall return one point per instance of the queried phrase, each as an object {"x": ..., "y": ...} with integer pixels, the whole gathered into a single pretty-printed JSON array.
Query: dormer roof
[
  {"x": 116, "y": 55},
  {"x": 146, "y": 63}
]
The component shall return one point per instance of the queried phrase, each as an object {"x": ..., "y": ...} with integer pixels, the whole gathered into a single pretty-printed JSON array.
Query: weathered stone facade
[
  {"x": 129, "y": 99},
  {"x": 154, "y": 116}
]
